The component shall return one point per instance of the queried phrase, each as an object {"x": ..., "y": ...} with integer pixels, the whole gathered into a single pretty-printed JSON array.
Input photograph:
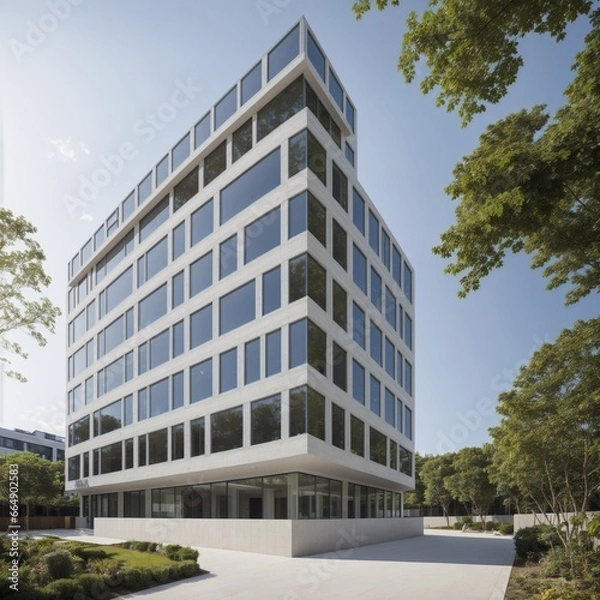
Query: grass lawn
[{"x": 133, "y": 558}]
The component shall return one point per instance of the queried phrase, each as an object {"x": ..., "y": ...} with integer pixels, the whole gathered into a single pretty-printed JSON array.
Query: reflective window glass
[
  {"x": 241, "y": 140},
  {"x": 350, "y": 114},
  {"x": 159, "y": 349},
  {"x": 228, "y": 256},
  {"x": 377, "y": 446},
  {"x": 390, "y": 307},
  {"x": 201, "y": 274},
  {"x": 197, "y": 437},
  {"x": 177, "y": 289},
  {"x": 215, "y": 163},
  {"x": 359, "y": 326},
  {"x": 262, "y": 235},
  {"x": 336, "y": 90},
  {"x": 338, "y": 426},
  {"x": 408, "y": 422},
  {"x": 159, "y": 397},
  {"x": 284, "y": 106},
  {"x": 358, "y": 382},
  {"x": 304, "y": 151},
  {"x": 408, "y": 377},
  {"x": 298, "y": 332},
  {"x": 252, "y": 361},
  {"x": 285, "y": 51},
  {"x": 408, "y": 282},
  {"x": 390, "y": 358},
  {"x": 158, "y": 451},
  {"x": 228, "y": 370},
  {"x": 225, "y": 107},
  {"x": 349, "y": 154},
  {"x": 202, "y": 130},
  {"x": 265, "y": 415},
  {"x": 251, "y": 83},
  {"x": 385, "y": 249},
  {"x": 390, "y": 404},
  {"x": 374, "y": 232},
  {"x": 357, "y": 436},
  {"x": 307, "y": 412},
  {"x": 316, "y": 57},
  {"x": 152, "y": 307},
  {"x": 154, "y": 219},
  {"x": 201, "y": 326},
  {"x": 202, "y": 222},
  {"x": 177, "y": 389},
  {"x": 273, "y": 353},
  {"x": 178, "y": 243},
  {"x": 237, "y": 308},
  {"x": 144, "y": 189},
  {"x": 178, "y": 339},
  {"x": 396, "y": 266},
  {"x": 359, "y": 268},
  {"x": 185, "y": 190},
  {"x": 271, "y": 290},
  {"x": 340, "y": 305},
  {"x": 340, "y": 245},
  {"x": 376, "y": 344},
  {"x": 226, "y": 429},
  {"x": 127, "y": 208},
  {"x": 181, "y": 151},
  {"x": 339, "y": 367},
  {"x": 177, "y": 442},
  {"x": 375, "y": 289},
  {"x": 339, "y": 186},
  {"x": 201, "y": 381},
  {"x": 162, "y": 170},
  {"x": 375, "y": 395}
]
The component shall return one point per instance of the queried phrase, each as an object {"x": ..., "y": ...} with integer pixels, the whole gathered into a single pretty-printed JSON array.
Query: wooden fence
[{"x": 40, "y": 523}]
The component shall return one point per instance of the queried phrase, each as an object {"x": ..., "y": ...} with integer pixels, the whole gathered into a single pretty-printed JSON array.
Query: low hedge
[
  {"x": 506, "y": 529},
  {"x": 532, "y": 542}
]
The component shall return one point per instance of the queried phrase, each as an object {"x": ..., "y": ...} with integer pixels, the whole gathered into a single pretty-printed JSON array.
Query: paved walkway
[{"x": 441, "y": 565}]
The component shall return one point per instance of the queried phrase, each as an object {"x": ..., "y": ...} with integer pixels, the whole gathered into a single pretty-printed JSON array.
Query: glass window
[
  {"x": 358, "y": 382},
  {"x": 406, "y": 460},
  {"x": 181, "y": 151},
  {"x": 201, "y": 381},
  {"x": 185, "y": 190},
  {"x": 202, "y": 130},
  {"x": 377, "y": 444},
  {"x": 159, "y": 397},
  {"x": 177, "y": 442},
  {"x": 116, "y": 292},
  {"x": 349, "y": 154},
  {"x": 408, "y": 422},
  {"x": 315, "y": 105},
  {"x": 305, "y": 211},
  {"x": 390, "y": 358},
  {"x": 228, "y": 370},
  {"x": 178, "y": 242},
  {"x": 142, "y": 448},
  {"x": 201, "y": 326},
  {"x": 225, "y": 107},
  {"x": 408, "y": 331},
  {"x": 112, "y": 259},
  {"x": 339, "y": 186},
  {"x": 390, "y": 307},
  {"x": 251, "y": 83},
  {"x": 338, "y": 426},
  {"x": 142, "y": 404},
  {"x": 158, "y": 446},
  {"x": 357, "y": 436},
  {"x": 350, "y": 114},
  {"x": 98, "y": 238},
  {"x": 215, "y": 163},
  {"x": 142, "y": 358},
  {"x": 152, "y": 307},
  {"x": 317, "y": 348},
  {"x": 177, "y": 390},
  {"x": 201, "y": 274},
  {"x": 339, "y": 367},
  {"x": 374, "y": 232},
  {"x": 340, "y": 252},
  {"x": 394, "y": 457},
  {"x": 79, "y": 431},
  {"x": 400, "y": 321},
  {"x": 177, "y": 294},
  {"x": 197, "y": 437},
  {"x": 359, "y": 268},
  {"x": 359, "y": 334},
  {"x": 335, "y": 90},
  {"x": 306, "y": 275},
  {"x": 154, "y": 219},
  {"x": 305, "y": 151},
  {"x": 253, "y": 184},
  {"x": 307, "y": 412},
  {"x": 237, "y": 308},
  {"x": 154, "y": 261},
  {"x": 228, "y": 256},
  {"x": 298, "y": 349},
  {"x": 396, "y": 265},
  {"x": 265, "y": 423},
  {"x": 316, "y": 57},
  {"x": 385, "y": 249},
  {"x": 89, "y": 389},
  {"x": 111, "y": 458},
  {"x": 399, "y": 415},
  {"x": 375, "y": 395},
  {"x": 408, "y": 375},
  {"x": 202, "y": 222},
  {"x": 273, "y": 353},
  {"x": 252, "y": 361},
  {"x": 340, "y": 306},
  {"x": 408, "y": 283},
  {"x": 159, "y": 349},
  {"x": 271, "y": 290},
  {"x": 144, "y": 189},
  {"x": 162, "y": 170},
  {"x": 285, "y": 51},
  {"x": 262, "y": 235},
  {"x": 241, "y": 140},
  {"x": 399, "y": 368},
  {"x": 390, "y": 403},
  {"x": 376, "y": 344},
  {"x": 127, "y": 208},
  {"x": 284, "y": 106},
  {"x": 226, "y": 429}
]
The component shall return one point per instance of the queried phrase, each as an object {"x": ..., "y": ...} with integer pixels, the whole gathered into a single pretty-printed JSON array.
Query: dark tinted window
[
  {"x": 284, "y": 106},
  {"x": 237, "y": 308},
  {"x": 340, "y": 245},
  {"x": 226, "y": 429},
  {"x": 262, "y": 235},
  {"x": 338, "y": 426},
  {"x": 305, "y": 151},
  {"x": 339, "y": 186},
  {"x": 215, "y": 163},
  {"x": 287, "y": 49},
  {"x": 340, "y": 305},
  {"x": 251, "y": 83},
  {"x": 375, "y": 289},
  {"x": 307, "y": 412},
  {"x": 265, "y": 420},
  {"x": 339, "y": 367},
  {"x": 242, "y": 140},
  {"x": 357, "y": 436},
  {"x": 197, "y": 437},
  {"x": 377, "y": 444},
  {"x": 358, "y": 211},
  {"x": 358, "y": 382},
  {"x": 185, "y": 190},
  {"x": 158, "y": 450},
  {"x": 359, "y": 269},
  {"x": 305, "y": 211},
  {"x": 349, "y": 154},
  {"x": 359, "y": 326}
]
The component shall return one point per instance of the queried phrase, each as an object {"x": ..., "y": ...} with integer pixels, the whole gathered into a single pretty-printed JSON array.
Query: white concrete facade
[{"x": 107, "y": 491}]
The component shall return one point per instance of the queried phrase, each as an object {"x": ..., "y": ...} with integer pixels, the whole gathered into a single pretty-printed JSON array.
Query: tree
[
  {"x": 22, "y": 280},
  {"x": 533, "y": 183},
  {"x": 434, "y": 473},
  {"x": 548, "y": 442},
  {"x": 470, "y": 482},
  {"x": 417, "y": 497},
  {"x": 40, "y": 481}
]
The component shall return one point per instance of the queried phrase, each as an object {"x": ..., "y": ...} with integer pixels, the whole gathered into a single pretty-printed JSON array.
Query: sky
[{"x": 78, "y": 79}]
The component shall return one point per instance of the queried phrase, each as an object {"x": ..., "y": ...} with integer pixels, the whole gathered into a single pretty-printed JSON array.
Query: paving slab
[{"x": 440, "y": 565}]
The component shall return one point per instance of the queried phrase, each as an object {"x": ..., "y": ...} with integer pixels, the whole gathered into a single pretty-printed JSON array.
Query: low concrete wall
[
  {"x": 265, "y": 536},
  {"x": 441, "y": 521},
  {"x": 530, "y": 519}
]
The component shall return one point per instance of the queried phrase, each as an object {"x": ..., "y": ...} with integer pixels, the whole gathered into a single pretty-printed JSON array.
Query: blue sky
[{"x": 75, "y": 88}]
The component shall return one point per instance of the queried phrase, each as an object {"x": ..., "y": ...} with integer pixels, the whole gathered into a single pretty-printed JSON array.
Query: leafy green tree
[
  {"x": 40, "y": 481},
  {"x": 470, "y": 482},
  {"x": 533, "y": 183},
  {"x": 22, "y": 280},
  {"x": 548, "y": 442},
  {"x": 434, "y": 473}
]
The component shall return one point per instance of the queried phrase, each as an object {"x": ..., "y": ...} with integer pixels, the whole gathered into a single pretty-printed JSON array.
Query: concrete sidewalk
[{"x": 441, "y": 565}]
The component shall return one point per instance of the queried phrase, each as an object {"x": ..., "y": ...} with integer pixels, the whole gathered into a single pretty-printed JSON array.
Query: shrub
[
  {"x": 93, "y": 584},
  {"x": 87, "y": 553},
  {"x": 187, "y": 553},
  {"x": 467, "y": 520},
  {"x": 171, "y": 550},
  {"x": 555, "y": 563},
  {"x": 161, "y": 574},
  {"x": 136, "y": 579},
  {"x": 458, "y": 525},
  {"x": 532, "y": 542},
  {"x": 141, "y": 546},
  {"x": 106, "y": 567},
  {"x": 506, "y": 529},
  {"x": 40, "y": 574},
  {"x": 127, "y": 545},
  {"x": 476, "y": 526},
  {"x": 60, "y": 564},
  {"x": 188, "y": 568},
  {"x": 152, "y": 547},
  {"x": 64, "y": 589},
  {"x": 492, "y": 526}
]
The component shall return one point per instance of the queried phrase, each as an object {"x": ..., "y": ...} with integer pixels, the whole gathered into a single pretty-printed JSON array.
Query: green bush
[
  {"x": 187, "y": 553},
  {"x": 188, "y": 568},
  {"x": 555, "y": 563},
  {"x": 60, "y": 564},
  {"x": 106, "y": 567},
  {"x": 127, "y": 545},
  {"x": 87, "y": 553},
  {"x": 152, "y": 547},
  {"x": 93, "y": 584},
  {"x": 467, "y": 520},
  {"x": 476, "y": 526},
  {"x": 458, "y": 525},
  {"x": 506, "y": 529},
  {"x": 135, "y": 579},
  {"x": 492, "y": 526},
  {"x": 141, "y": 546},
  {"x": 64, "y": 589},
  {"x": 532, "y": 542},
  {"x": 161, "y": 574}
]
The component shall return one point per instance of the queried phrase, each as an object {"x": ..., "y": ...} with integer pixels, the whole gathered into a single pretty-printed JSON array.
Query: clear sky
[{"x": 74, "y": 88}]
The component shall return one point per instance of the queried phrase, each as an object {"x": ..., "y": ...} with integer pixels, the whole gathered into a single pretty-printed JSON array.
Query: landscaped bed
[{"x": 54, "y": 569}]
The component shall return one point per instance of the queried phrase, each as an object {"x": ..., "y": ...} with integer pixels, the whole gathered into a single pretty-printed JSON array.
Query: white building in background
[
  {"x": 47, "y": 445},
  {"x": 241, "y": 347}
]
